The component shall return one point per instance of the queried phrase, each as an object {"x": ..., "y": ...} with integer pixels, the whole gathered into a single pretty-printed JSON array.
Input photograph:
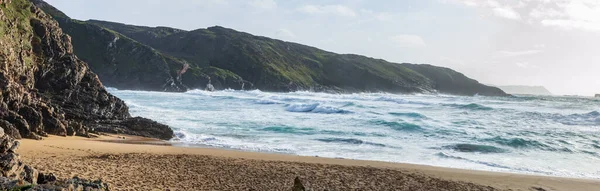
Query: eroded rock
[{"x": 46, "y": 89}]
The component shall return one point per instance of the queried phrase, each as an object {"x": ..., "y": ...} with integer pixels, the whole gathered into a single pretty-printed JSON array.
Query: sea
[{"x": 541, "y": 135}]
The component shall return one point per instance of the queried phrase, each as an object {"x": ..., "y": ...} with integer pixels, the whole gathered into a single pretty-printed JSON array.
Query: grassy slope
[
  {"x": 231, "y": 58},
  {"x": 119, "y": 61},
  {"x": 277, "y": 65}
]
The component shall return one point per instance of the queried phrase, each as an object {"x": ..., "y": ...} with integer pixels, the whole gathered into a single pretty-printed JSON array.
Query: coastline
[{"x": 163, "y": 166}]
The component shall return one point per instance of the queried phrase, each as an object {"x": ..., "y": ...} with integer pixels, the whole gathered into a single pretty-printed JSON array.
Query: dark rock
[
  {"x": 134, "y": 126},
  {"x": 45, "y": 88},
  {"x": 298, "y": 186},
  {"x": 9, "y": 129},
  {"x": 83, "y": 184},
  {"x": 31, "y": 174},
  {"x": 33, "y": 118},
  {"x": 537, "y": 189},
  {"x": 19, "y": 123},
  {"x": 8, "y": 184},
  {"x": 46, "y": 178}
]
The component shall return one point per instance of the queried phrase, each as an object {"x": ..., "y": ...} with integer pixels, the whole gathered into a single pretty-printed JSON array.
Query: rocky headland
[
  {"x": 46, "y": 89},
  {"x": 168, "y": 59}
]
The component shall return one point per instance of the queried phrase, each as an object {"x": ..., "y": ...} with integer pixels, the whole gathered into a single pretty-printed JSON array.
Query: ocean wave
[
  {"x": 399, "y": 126},
  {"x": 265, "y": 102},
  {"x": 539, "y": 134},
  {"x": 578, "y": 119},
  {"x": 354, "y": 133},
  {"x": 518, "y": 143},
  {"x": 471, "y": 106},
  {"x": 409, "y": 114},
  {"x": 350, "y": 141},
  {"x": 111, "y": 89},
  {"x": 591, "y": 118},
  {"x": 448, "y": 156},
  {"x": 490, "y": 164},
  {"x": 314, "y": 108},
  {"x": 473, "y": 148},
  {"x": 290, "y": 130},
  {"x": 400, "y": 101},
  {"x": 302, "y": 107},
  {"x": 191, "y": 139}
]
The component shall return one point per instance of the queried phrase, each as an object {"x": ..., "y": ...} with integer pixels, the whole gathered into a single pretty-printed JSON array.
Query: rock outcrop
[
  {"x": 144, "y": 58},
  {"x": 446, "y": 80},
  {"x": 44, "y": 87}
]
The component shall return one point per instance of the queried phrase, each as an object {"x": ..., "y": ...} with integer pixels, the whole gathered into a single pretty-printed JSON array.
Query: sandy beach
[{"x": 133, "y": 163}]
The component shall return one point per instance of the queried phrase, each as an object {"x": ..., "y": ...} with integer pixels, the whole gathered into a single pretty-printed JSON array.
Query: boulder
[
  {"x": 298, "y": 185},
  {"x": 134, "y": 126}
]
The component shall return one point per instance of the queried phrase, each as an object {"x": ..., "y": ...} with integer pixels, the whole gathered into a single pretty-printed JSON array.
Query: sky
[{"x": 552, "y": 43}]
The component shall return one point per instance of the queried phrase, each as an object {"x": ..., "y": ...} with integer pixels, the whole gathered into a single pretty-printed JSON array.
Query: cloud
[
  {"x": 525, "y": 65},
  {"x": 408, "y": 41},
  {"x": 563, "y": 14},
  {"x": 285, "y": 34},
  {"x": 497, "y": 9},
  {"x": 507, "y": 13},
  {"x": 339, "y": 10},
  {"x": 263, "y": 4},
  {"x": 383, "y": 16},
  {"x": 570, "y": 14},
  {"x": 510, "y": 54},
  {"x": 571, "y": 24},
  {"x": 540, "y": 46}
]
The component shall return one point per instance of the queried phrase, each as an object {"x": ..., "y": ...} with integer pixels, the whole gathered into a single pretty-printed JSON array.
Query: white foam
[
  {"x": 301, "y": 107},
  {"x": 241, "y": 120}
]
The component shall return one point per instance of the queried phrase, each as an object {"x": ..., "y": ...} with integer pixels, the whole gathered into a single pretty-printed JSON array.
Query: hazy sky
[{"x": 554, "y": 43}]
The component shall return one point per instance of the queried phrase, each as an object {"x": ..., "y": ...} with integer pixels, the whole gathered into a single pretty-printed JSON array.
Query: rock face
[
  {"x": 446, "y": 80},
  {"x": 146, "y": 58},
  {"x": 44, "y": 87},
  {"x": 18, "y": 176}
]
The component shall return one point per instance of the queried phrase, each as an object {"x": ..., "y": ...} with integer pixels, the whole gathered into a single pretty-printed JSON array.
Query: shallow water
[{"x": 557, "y": 136}]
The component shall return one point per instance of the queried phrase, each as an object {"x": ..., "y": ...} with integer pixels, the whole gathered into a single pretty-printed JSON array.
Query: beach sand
[{"x": 135, "y": 163}]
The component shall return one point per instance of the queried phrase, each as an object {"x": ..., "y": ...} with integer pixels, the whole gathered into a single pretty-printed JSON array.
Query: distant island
[
  {"x": 530, "y": 90},
  {"x": 168, "y": 59}
]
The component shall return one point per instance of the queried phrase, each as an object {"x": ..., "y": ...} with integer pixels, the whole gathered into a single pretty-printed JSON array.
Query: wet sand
[{"x": 134, "y": 163}]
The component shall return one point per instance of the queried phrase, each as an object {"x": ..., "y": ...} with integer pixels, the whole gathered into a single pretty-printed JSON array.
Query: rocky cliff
[
  {"x": 227, "y": 58},
  {"x": 46, "y": 89}
]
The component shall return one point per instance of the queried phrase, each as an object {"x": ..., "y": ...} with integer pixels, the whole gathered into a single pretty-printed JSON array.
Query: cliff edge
[{"x": 46, "y": 89}]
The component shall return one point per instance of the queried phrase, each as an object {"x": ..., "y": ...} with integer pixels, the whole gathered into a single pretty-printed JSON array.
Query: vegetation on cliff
[{"x": 44, "y": 87}]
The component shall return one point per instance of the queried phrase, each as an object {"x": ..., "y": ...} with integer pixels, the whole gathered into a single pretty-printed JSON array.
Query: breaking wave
[
  {"x": 545, "y": 135},
  {"x": 314, "y": 108}
]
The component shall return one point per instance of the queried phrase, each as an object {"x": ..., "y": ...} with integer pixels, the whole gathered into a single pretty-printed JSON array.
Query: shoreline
[
  {"x": 152, "y": 141},
  {"x": 42, "y": 153}
]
